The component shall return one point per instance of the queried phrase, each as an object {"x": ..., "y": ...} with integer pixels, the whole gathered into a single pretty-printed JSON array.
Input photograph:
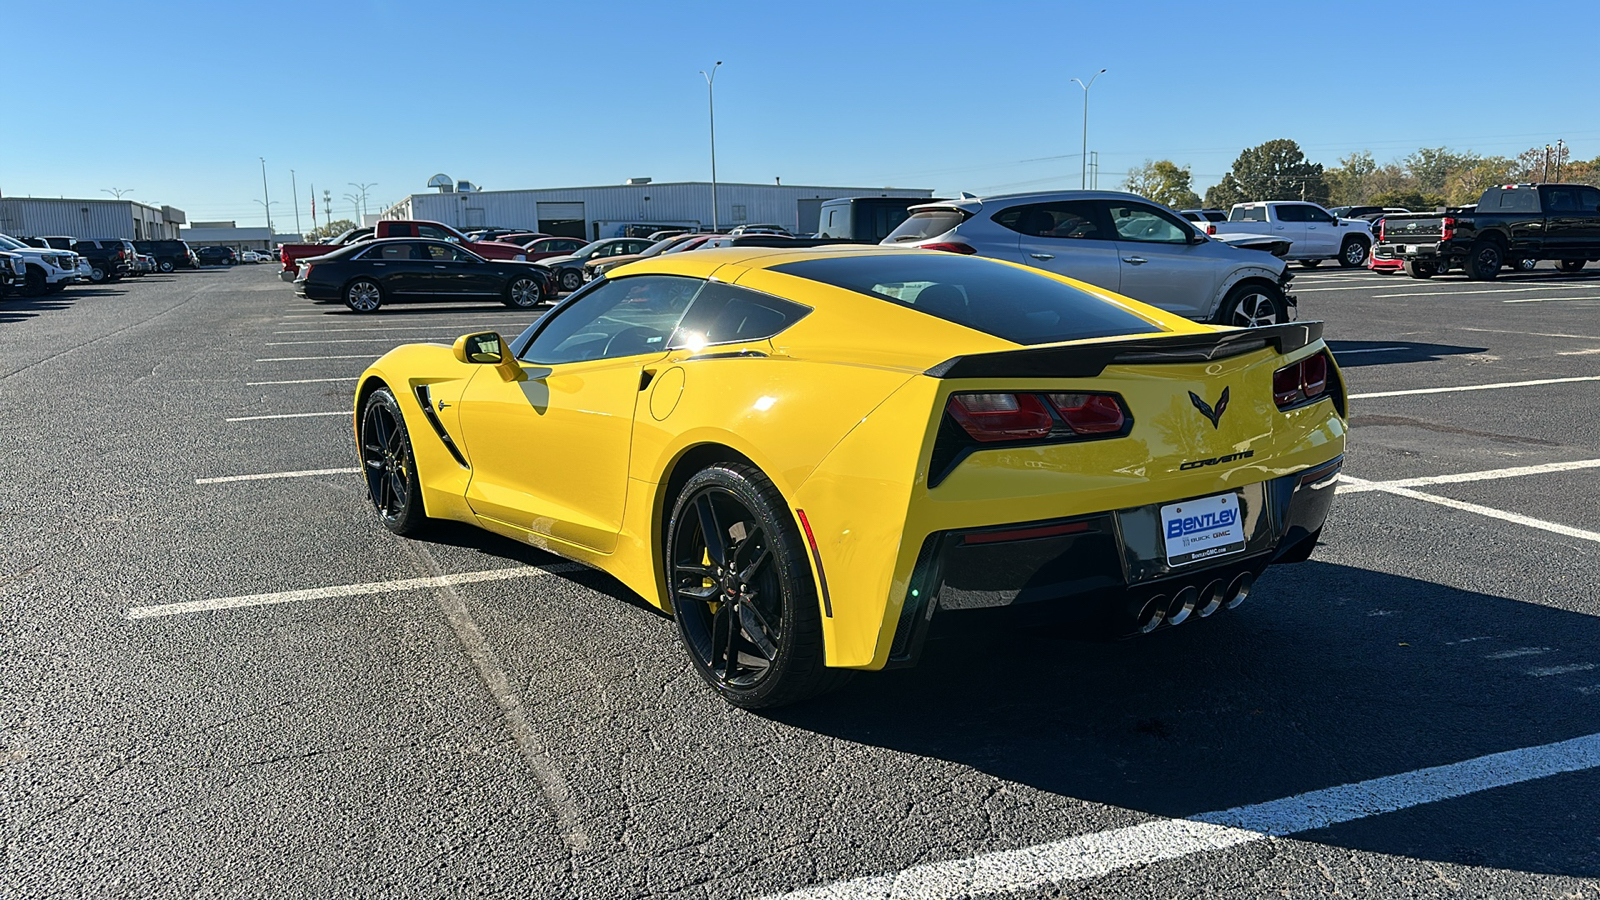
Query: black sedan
[
  {"x": 366, "y": 276},
  {"x": 217, "y": 256}
]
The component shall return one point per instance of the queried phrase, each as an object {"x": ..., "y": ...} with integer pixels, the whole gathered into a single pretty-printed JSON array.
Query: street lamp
[
  {"x": 116, "y": 192},
  {"x": 711, "y": 100},
  {"x": 355, "y": 203},
  {"x": 294, "y": 186},
  {"x": 1083, "y": 175},
  {"x": 266, "y": 199},
  {"x": 363, "y": 189}
]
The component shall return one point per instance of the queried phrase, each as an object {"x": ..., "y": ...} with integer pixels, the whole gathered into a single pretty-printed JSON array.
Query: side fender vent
[{"x": 425, "y": 400}]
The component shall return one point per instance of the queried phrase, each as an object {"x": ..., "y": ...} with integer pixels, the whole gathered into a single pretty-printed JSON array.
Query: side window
[
  {"x": 1560, "y": 200},
  {"x": 439, "y": 252},
  {"x": 1288, "y": 212},
  {"x": 1074, "y": 219},
  {"x": 1316, "y": 215},
  {"x": 399, "y": 251},
  {"x": 617, "y": 318},
  {"x": 724, "y": 314},
  {"x": 1589, "y": 200},
  {"x": 1137, "y": 222},
  {"x": 435, "y": 232}
]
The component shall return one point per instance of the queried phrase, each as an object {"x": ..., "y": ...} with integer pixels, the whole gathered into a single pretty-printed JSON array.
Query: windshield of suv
[
  {"x": 1019, "y": 305},
  {"x": 925, "y": 224},
  {"x": 11, "y": 243}
]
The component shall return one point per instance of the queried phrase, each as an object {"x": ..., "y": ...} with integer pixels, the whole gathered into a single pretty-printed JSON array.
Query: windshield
[
  {"x": 925, "y": 224},
  {"x": 1019, "y": 305},
  {"x": 11, "y": 243},
  {"x": 590, "y": 248}
]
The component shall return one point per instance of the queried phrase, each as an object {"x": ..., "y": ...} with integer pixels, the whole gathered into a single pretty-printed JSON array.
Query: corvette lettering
[
  {"x": 1216, "y": 460},
  {"x": 1204, "y": 522}
]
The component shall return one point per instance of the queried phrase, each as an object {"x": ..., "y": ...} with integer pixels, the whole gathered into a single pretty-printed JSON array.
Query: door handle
[
  {"x": 1042, "y": 255},
  {"x": 1279, "y": 228},
  {"x": 438, "y": 267},
  {"x": 1135, "y": 260}
]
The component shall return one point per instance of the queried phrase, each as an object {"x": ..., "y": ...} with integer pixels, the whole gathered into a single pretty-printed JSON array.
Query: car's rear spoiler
[{"x": 1089, "y": 360}]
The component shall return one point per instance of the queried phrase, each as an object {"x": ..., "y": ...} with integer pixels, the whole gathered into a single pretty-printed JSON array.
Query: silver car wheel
[
  {"x": 363, "y": 296},
  {"x": 1255, "y": 310},
  {"x": 1355, "y": 253},
  {"x": 525, "y": 292}
]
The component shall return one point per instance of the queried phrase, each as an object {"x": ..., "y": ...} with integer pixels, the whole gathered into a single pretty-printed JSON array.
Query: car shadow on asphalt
[
  {"x": 334, "y": 308},
  {"x": 1355, "y": 354},
  {"x": 1328, "y": 675}
]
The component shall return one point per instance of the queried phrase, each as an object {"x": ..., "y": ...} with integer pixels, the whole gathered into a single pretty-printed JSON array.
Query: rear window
[
  {"x": 1248, "y": 214},
  {"x": 925, "y": 224},
  {"x": 1524, "y": 200},
  {"x": 1014, "y": 304}
]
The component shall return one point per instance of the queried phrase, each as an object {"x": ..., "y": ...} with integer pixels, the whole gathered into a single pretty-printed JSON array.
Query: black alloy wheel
[
  {"x": 1572, "y": 265},
  {"x": 165, "y": 266},
  {"x": 571, "y": 280},
  {"x": 97, "y": 274},
  {"x": 33, "y": 284},
  {"x": 388, "y": 465},
  {"x": 1353, "y": 254},
  {"x": 524, "y": 292},
  {"x": 1483, "y": 263},
  {"x": 742, "y": 591}
]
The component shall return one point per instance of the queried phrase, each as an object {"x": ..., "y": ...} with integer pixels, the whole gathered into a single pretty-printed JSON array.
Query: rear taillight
[
  {"x": 1211, "y": 228},
  {"x": 1383, "y": 229},
  {"x": 990, "y": 417},
  {"x": 951, "y": 247},
  {"x": 1302, "y": 382},
  {"x": 1089, "y": 413},
  {"x": 1447, "y": 228},
  {"x": 1001, "y": 417}
]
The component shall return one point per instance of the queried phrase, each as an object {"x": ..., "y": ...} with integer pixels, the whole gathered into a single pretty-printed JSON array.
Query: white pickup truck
[{"x": 1317, "y": 234}]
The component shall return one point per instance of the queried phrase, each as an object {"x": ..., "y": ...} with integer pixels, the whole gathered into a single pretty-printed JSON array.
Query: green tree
[
  {"x": 336, "y": 227},
  {"x": 1349, "y": 182},
  {"x": 1163, "y": 181},
  {"x": 1432, "y": 167},
  {"x": 1468, "y": 185},
  {"x": 1416, "y": 201},
  {"x": 1276, "y": 170}
]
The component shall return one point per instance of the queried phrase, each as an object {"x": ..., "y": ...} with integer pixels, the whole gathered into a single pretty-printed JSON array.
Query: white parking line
[
  {"x": 1559, "y": 334},
  {"x": 342, "y": 412},
  {"x": 1474, "y": 387},
  {"x": 301, "y": 381},
  {"x": 346, "y": 590},
  {"x": 1488, "y": 511},
  {"x": 1356, "y": 485},
  {"x": 1102, "y": 853},
  {"x": 1368, "y": 350},
  {"x": 306, "y": 473},
  {"x": 307, "y": 358},
  {"x": 1550, "y": 300},
  {"x": 1520, "y": 651},
  {"x": 374, "y": 328},
  {"x": 1531, "y": 287}
]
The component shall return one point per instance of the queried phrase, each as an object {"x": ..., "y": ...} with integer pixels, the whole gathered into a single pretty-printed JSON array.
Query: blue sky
[{"x": 974, "y": 96}]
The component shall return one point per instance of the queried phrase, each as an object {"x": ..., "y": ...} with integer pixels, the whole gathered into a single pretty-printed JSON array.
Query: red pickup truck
[{"x": 292, "y": 254}]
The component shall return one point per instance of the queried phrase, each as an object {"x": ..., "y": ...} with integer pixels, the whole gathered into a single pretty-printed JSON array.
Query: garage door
[{"x": 563, "y": 219}]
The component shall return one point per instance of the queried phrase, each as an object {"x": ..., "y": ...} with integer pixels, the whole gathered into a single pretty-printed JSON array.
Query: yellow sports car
[{"x": 809, "y": 455}]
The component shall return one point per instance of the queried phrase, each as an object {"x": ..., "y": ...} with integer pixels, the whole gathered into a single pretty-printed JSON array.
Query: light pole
[
  {"x": 355, "y": 204},
  {"x": 1561, "y": 149},
  {"x": 116, "y": 192},
  {"x": 1083, "y": 175},
  {"x": 295, "y": 188},
  {"x": 363, "y": 189},
  {"x": 711, "y": 101}
]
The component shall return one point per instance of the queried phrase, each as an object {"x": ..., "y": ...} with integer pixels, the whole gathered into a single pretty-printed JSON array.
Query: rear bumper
[
  {"x": 1102, "y": 567},
  {"x": 316, "y": 291},
  {"x": 1400, "y": 252}
]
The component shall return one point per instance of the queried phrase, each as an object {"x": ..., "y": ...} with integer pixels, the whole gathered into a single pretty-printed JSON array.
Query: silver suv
[{"x": 1120, "y": 242}]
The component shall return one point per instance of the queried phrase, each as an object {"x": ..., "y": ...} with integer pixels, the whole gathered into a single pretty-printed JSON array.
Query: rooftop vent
[{"x": 638, "y": 181}]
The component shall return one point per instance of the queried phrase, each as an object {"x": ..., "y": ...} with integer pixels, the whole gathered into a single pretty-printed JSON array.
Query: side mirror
[{"x": 486, "y": 348}]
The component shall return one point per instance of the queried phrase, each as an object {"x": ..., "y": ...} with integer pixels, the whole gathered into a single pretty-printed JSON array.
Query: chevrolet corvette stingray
[{"x": 810, "y": 455}]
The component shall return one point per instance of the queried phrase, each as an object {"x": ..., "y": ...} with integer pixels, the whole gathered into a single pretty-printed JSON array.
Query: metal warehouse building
[
  {"x": 88, "y": 219},
  {"x": 606, "y": 210}
]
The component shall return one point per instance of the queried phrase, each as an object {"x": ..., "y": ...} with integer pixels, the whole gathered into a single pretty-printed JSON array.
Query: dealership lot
[{"x": 222, "y": 673}]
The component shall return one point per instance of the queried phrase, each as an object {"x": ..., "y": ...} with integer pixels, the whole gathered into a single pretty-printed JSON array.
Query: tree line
[{"x": 1428, "y": 178}]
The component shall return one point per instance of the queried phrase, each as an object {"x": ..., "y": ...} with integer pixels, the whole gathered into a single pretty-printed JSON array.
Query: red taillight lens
[
  {"x": 1301, "y": 382},
  {"x": 950, "y": 247},
  {"x": 1001, "y": 417},
  {"x": 1211, "y": 228},
  {"x": 1089, "y": 413},
  {"x": 1447, "y": 228},
  {"x": 1383, "y": 229}
]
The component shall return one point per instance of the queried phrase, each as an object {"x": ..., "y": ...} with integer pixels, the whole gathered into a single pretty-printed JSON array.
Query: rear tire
[
  {"x": 1310, "y": 263},
  {"x": 363, "y": 295},
  {"x": 97, "y": 274},
  {"x": 33, "y": 284},
  {"x": 1571, "y": 265},
  {"x": 165, "y": 266},
  {"x": 1252, "y": 306},
  {"x": 1417, "y": 268},
  {"x": 1353, "y": 253},
  {"x": 524, "y": 292},
  {"x": 1483, "y": 263},
  {"x": 744, "y": 599},
  {"x": 571, "y": 280}
]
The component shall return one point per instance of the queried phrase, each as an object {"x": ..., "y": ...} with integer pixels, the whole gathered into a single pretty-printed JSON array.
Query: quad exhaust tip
[
  {"x": 1240, "y": 589},
  {"x": 1152, "y": 613},
  {"x": 1211, "y": 598},
  {"x": 1182, "y": 605}
]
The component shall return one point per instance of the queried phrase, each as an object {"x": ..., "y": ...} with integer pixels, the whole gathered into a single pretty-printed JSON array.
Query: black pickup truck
[{"x": 1510, "y": 224}]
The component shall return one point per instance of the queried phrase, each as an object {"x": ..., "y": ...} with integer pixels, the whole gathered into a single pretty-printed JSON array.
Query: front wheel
[
  {"x": 742, "y": 591},
  {"x": 1572, "y": 265},
  {"x": 165, "y": 266},
  {"x": 1252, "y": 306},
  {"x": 1352, "y": 254},
  {"x": 389, "y": 466},
  {"x": 97, "y": 274},
  {"x": 1483, "y": 263},
  {"x": 33, "y": 284},
  {"x": 524, "y": 292},
  {"x": 571, "y": 280},
  {"x": 363, "y": 295}
]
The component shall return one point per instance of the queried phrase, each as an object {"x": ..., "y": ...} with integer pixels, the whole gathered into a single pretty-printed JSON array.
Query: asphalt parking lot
[{"x": 217, "y": 684}]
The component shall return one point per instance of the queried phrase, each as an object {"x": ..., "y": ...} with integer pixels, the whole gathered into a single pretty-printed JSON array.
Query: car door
[
  {"x": 1160, "y": 263},
  {"x": 1067, "y": 237},
  {"x": 1564, "y": 222},
  {"x": 1289, "y": 221},
  {"x": 401, "y": 268},
  {"x": 459, "y": 273},
  {"x": 1323, "y": 234},
  {"x": 549, "y": 455}
]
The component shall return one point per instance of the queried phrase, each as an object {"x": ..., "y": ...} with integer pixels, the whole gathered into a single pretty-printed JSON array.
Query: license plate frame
[{"x": 1202, "y": 529}]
